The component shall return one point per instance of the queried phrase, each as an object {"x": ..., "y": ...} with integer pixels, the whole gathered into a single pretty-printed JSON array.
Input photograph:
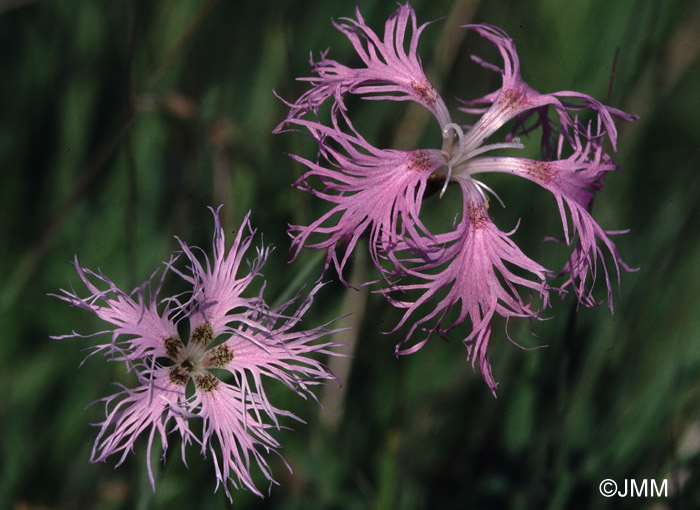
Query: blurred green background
[{"x": 120, "y": 121}]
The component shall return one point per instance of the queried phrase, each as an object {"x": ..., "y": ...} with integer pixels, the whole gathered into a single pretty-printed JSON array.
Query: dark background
[{"x": 120, "y": 121}]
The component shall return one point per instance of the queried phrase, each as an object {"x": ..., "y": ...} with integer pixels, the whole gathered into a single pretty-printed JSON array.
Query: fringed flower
[
  {"x": 234, "y": 344},
  {"x": 475, "y": 270}
]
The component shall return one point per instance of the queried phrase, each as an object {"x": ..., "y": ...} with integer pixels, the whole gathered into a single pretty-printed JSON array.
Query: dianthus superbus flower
[
  {"x": 475, "y": 268},
  {"x": 180, "y": 387}
]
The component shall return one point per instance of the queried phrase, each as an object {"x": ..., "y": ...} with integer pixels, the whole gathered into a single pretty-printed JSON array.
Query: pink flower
[
  {"x": 381, "y": 192},
  {"x": 232, "y": 334}
]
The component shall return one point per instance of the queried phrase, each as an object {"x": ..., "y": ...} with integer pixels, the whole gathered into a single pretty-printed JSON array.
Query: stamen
[
  {"x": 174, "y": 348},
  {"x": 201, "y": 335},
  {"x": 513, "y": 144},
  {"x": 449, "y": 155},
  {"x": 206, "y": 382},
  {"x": 178, "y": 376},
  {"x": 480, "y": 186},
  {"x": 218, "y": 357},
  {"x": 447, "y": 179},
  {"x": 458, "y": 131}
]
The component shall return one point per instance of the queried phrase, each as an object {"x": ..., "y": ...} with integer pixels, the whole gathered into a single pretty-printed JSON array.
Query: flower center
[
  {"x": 193, "y": 360},
  {"x": 457, "y": 155}
]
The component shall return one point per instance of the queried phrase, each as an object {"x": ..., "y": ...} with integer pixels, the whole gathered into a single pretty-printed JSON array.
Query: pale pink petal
[
  {"x": 391, "y": 69},
  {"x": 140, "y": 329},
  {"x": 219, "y": 283},
  {"x": 477, "y": 271},
  {"x": 279, "y": 351},
  {"x": 517, "y": 99},
  {"x": 373, "y": 190},
  {"x": 235, "y": 436},
  {"x": 132, "y": 412}
]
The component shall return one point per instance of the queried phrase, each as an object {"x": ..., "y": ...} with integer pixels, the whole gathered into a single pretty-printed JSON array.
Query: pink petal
[
  {"x": 473, "y": 277},
  {"x": 373, "y": 190},
  {"x": 140, "y": 328},
  {"x": 148, "y": 407},
  {"x": 390, "y": 70}
]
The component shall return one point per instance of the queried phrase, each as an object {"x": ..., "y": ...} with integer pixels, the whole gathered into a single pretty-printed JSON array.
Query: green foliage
[{"x": 122, "y": 121}]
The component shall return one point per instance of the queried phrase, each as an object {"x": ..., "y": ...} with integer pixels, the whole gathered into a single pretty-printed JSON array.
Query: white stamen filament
[
  {"x": 514, "y": 144},
  {"x": 448, "y": 154},
  {"x": 447, "y": 179},
  {"x": 483, "y": 187}
]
